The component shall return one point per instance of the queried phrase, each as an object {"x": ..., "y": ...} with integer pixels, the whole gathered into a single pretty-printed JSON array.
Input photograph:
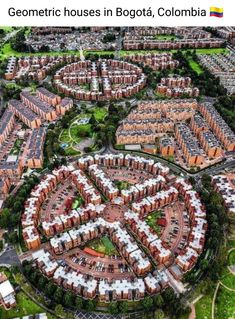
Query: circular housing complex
[
  {"x": 100, "y": 80},
  {"x": 119, "y": 227}
]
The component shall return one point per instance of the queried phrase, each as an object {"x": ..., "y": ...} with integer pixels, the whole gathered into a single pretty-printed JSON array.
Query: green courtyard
[
  {"x": 103, "y": 245},
  {"x": 78, "y": 132},
  {"x": 151, "y": 220}
]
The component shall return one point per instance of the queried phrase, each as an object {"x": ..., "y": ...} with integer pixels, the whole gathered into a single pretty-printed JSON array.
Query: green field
[
  {"x": 231, "y": 258},
  {"x": 7, "y": 51},
  {"x": 225, "y": 304},
  {"x": 103, "y": 245},
  {"x": 203, "y": 307},
  {"x": 165, "y": 37},
  {"x": 25, "y": 306},
  {"x": 7, "y": 29},
  {"x": 195, "y": 66},
  {"x": 126, "y": 52}
]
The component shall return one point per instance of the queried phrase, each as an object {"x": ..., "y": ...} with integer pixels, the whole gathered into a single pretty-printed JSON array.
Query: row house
[
  {"x": 148, "y": 188},
  {"x": 27, "y": 116},
  {"x": 188, "y": 143},
  {"x": 177, "y": 91},
  {"x": 151, "y": 203},
  {"x": 155, "y": 61},
  {"x": 210, "y": 144},
  {"x": 7, "y": 122},
  {"x": 47, "y": 96},
  {"x": 80, "y": 284},
  {"x": 35, "y": 67},
  {"x": 85, "y": 187},
  {"x": 167, "y": 146},
  {"x": 34, "y": 148},
  {"x": 224, "y": 185},
  {"x": 122, "y": 289},
  {"x": 5, "y": 185},
  {"x": 31, "y": 237},
  {"x": 149, "y": 44},
  {"x": 40, "y": 107},
  {"x": 219, "y": 127},
  {"x": 64, "y": 105},
  {"x": 130, "y": 250},
  {"x": 45, "y": 262},
  {"x": 72, "y": 219},
  {"x": 148, "y": 238},
  {"x": 107, "y": 186}
]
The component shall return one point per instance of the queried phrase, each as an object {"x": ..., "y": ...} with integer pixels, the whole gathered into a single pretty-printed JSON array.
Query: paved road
[
  {"x": 10, "y": 257},
  {"x": 84, "y": 315}
]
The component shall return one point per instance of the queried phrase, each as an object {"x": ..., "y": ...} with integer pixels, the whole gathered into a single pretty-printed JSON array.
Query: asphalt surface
[{"x": 10, "y": 257}]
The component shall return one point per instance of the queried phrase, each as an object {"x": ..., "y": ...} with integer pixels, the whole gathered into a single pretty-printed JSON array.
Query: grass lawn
[
  {"x": 70, "y": 151},
  {"x": 64, "y": 136},
  {"x": 77, "y": 203},
  {"x": 7, "y": 29},
  {"x": 225, "y": 304},
  {"x": 99, "y": 113},
  {"x": 231, "y": 258},
  {"x": 79, "y": 131},
  {"x": 195, "y": 66},
  {"x": 103, "y": 245},
  {"x": 126, "y": 52},
  {"x": 25, "y": 306},
  {"x": 164, "y": 37},
  {"x": 122, "y": 185},
  {"x": 151, "y": 220},
  {"x": 203, "y": 307},
  {"x": 17, "y": 147},
  {"x": 7, "y": 51},
  {"x": 228, "y": 280}
]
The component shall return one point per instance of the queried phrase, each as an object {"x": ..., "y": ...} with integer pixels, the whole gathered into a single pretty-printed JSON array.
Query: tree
[
  {"x": 79, "y": 303},
  {"x": 158, "y": 301},
  {"x": 92, "y": 120},
  {"x": 58, "y": 295},
  {"x": 4, "y": 218},
  {"x": 113, "y": 308},
  {"x": 123, "y": 306},
  {"x": 50, "y": 289},
  {"x": 59, "y": 310},
  {"x": 147, "y": 303},
  {"x": 68, "y": 299},
  {"x": 91, "y": 305}
]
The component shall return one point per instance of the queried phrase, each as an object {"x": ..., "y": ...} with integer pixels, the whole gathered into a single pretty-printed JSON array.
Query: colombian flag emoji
[{"x": 216, "y": 12}]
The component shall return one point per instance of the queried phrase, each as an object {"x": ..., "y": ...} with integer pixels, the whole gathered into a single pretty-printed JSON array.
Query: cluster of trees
[
  {"x": 18, "y": 42},
  {"x": 13, "y": 207},
  {"x": 52, "y": 145},
  {"x": 207, "y": 83},
  {"x": 3, "y": 65},
  {"x": 96, "y": 56},
  {"x": 106, "y": 131},
  {"x": 109, "y": 37},
  {"x": 217, "y": 222},
  {"x": 225, "y": 105},
  {"x": 10, "y": 92}
]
